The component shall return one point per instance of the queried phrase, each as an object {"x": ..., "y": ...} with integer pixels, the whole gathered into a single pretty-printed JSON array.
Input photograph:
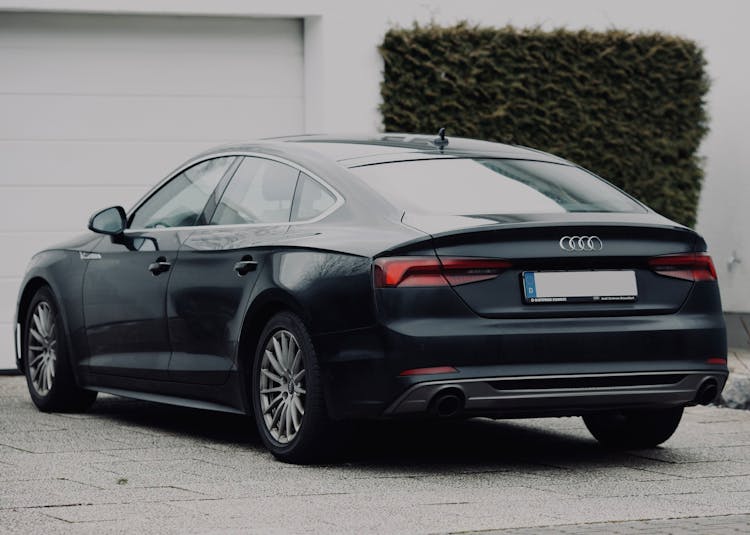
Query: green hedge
[{"x": 628, "y": 106}]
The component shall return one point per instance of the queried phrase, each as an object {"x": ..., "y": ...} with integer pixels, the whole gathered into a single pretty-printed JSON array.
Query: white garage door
[{"x": 96, "y": 109}]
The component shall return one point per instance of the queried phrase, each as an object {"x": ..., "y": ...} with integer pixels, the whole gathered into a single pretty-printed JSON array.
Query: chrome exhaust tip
[
  {"x": 707, "y": 392},
  {"x": 448, "y": 403}
]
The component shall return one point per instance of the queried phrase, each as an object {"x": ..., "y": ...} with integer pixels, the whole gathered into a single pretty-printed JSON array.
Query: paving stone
[{"x": 139, "y": 467}]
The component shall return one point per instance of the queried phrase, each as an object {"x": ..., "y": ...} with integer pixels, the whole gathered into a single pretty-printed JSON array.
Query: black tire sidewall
[{"x": 643, "y": 428}]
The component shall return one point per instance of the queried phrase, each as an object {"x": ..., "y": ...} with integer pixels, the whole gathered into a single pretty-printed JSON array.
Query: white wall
[{"x": 343, "y": 73}]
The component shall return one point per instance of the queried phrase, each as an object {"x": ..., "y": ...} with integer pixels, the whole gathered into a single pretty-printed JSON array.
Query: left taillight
[
  {"x": 690, "y": 267},
  {"x": 430, "y": 271}
]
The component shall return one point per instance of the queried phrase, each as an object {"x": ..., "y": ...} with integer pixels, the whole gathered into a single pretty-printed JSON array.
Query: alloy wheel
[
  {"x": 281, "y": 385},
  {"x": 42, "y": 350}
]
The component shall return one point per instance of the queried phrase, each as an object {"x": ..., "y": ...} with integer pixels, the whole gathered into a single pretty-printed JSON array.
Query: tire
[
  {"x": 292, "y": 420},
  {"x": 47, "y": 365},
  {"x": 634, "y": 429}
]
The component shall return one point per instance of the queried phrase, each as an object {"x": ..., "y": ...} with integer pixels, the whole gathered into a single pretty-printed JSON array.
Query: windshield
[{"x": 483, "y": 186}]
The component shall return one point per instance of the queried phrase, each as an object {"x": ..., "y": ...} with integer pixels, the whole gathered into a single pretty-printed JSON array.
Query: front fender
[{"x": 63, "y": 272}]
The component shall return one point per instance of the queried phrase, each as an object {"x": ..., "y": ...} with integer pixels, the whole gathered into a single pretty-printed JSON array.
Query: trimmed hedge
[{"x": 628, "y": 106}]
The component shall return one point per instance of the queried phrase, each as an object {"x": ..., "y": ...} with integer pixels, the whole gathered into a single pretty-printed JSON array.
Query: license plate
[{"x": 579, "y": 286}]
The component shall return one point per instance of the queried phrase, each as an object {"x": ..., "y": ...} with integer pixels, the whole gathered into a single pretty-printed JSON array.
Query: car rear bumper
[
  {"x": 530, "y": 367},
  {"x": 558, "y": 394}
]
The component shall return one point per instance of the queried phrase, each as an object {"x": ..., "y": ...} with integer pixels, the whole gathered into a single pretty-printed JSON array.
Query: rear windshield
[{"x": 483, "y": 186}]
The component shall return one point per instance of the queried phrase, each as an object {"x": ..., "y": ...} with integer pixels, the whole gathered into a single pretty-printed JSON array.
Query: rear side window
[
  {"x": 468, "y": 186},
  {"x": 311, "y": 200},
  {"x": 261, "y": 191},
  {"x": 180, "y": 202}
]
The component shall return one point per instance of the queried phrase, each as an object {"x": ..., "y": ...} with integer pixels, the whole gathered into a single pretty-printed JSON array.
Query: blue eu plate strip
[{"x": 528, "y": 284}]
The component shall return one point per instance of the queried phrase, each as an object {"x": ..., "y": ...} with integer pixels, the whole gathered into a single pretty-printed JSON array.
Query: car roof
[{"x": 358, "y": 150}]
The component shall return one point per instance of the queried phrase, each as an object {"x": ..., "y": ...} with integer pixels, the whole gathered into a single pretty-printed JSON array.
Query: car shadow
[{"x": 391, "y": 445}]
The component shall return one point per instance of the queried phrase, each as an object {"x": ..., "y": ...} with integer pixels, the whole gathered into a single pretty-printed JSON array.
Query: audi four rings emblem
[{"x": 581, "y": 243}]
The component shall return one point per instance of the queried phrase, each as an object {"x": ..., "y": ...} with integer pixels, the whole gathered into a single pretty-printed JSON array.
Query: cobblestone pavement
[
  {"x": 130, "y": 466},
  {"x": 676, "y": 526}
]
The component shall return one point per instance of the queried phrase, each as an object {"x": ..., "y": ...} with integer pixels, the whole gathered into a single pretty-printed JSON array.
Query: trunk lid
[{"x": 532, "y": 244}]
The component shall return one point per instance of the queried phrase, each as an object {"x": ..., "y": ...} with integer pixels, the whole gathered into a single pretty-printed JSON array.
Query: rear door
[{"x": 218, "y": 266}]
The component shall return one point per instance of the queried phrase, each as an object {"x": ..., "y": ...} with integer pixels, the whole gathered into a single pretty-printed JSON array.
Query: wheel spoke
[
  {"x": 277, "y": 415},
  {"x": 35, "y": 371},
  {"x": 296, "y": 361},
  {"x": 272, "y": 390},
  {"x": 274, "y": 363},
  {"x": 278, "y": 355},
  {"x": 300, "y": 374},
  {"x": 287, "y": 419},
  {"x": 38, "y": 337},
  {"x": 48, "y": 376},
  {"x": 36, "y": 348},
  {"x": 37, "y": 319},
  {"x": 296, "y": 413},
  {"x": 36, "y": 359},
  {"x": 284, "y": 355},
  {"x": 298, "y": 404},
  {"x": 291, "y": 353},
  {"x": 272, "y": 376},
  {"x": 274, "y": 403}
]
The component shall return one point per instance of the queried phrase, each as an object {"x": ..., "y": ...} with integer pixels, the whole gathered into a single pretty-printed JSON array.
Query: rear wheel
[
  {"x": 288, "y": 395},
  {"x": 644, "y": 428},
  {"x": 48, "y": 370}
]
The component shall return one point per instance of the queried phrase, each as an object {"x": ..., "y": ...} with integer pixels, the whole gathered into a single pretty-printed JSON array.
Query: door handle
[
  {"x": 160, "y": 266},
  {"x": 245, "y": 266}
]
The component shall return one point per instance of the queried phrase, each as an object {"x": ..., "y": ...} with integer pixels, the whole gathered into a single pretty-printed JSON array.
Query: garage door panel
[
  {"x": 93, "y": 163},
  {"x": 144, "y": 34},
  {"x": 8, "y": 295},
  {"x": 97, "y": 72},
  {"x": 6, "y": 342},
  {"x": 48, "y": 117},
  {"x": 59, "y": 208},
  {"x": 95, "y": 109}
]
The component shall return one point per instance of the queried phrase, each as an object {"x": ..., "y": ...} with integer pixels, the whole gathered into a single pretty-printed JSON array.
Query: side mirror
[{"x": 111, "y": 221}]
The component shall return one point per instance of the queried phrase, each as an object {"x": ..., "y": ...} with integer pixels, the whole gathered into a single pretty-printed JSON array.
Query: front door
[
  {"x": 124, "y": 292},
  {"x": 126, "y": 281}
]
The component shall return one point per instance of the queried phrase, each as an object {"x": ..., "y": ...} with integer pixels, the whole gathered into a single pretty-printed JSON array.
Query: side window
[
  {"x": 180, "y": 201},
  {"x": 311, "y": 199},
  {"x": 261, "y": 191}
]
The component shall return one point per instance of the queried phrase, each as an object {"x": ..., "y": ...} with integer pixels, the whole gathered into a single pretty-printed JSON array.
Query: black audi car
[{"x": 313, "y": 280}]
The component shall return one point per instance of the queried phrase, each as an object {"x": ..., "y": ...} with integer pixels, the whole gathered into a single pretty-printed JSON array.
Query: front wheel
[
  {"x": 287, "y": 392},
  {"x": 49, "y": 375},
  {"x": 633, "y": 429}
]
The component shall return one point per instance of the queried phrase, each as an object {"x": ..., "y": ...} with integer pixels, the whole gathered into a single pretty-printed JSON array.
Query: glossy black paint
[{"x": 184, "y": 331}]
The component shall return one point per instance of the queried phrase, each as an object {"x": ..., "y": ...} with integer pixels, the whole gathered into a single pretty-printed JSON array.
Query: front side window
[
  {"x": 484, "y": 186},
  {"x": 180, "y": 202},
  {"x": 261, "y": 191}
]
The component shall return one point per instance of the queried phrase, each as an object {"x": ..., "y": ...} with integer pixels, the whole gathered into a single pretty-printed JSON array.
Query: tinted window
[
  {"x": 261, "y": 191},
  {"x": 311, "y": 200},
  {"x": 180, "y": 201},
  {"x": 466, "y": 186}
]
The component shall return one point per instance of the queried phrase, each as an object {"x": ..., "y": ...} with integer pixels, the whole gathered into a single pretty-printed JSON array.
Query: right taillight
[
  {"x": 690, "y": 267},
  {"x": 431, "y": 271}
]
